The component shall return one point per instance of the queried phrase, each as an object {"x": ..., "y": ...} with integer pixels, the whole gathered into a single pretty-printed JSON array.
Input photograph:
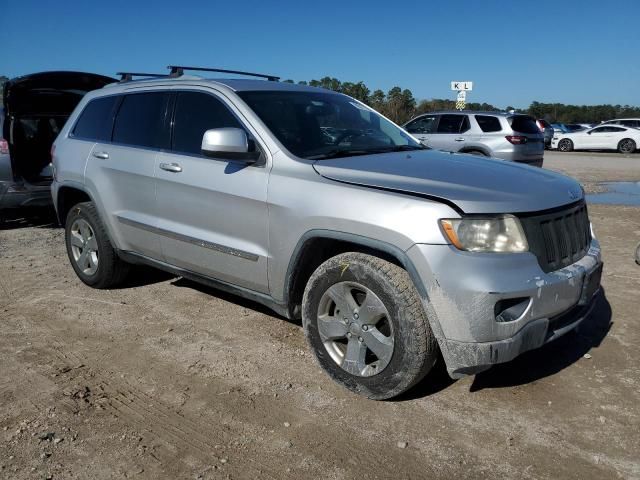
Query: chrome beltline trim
[{"x": 192, "y": 240}]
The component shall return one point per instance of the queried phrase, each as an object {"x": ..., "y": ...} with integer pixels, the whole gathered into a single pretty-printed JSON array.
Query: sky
[{"x": 567, "y": 51}]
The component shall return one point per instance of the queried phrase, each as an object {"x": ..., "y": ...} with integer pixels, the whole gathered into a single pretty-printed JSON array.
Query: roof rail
[
  {"x": 177, "y": 71},
  {"x": 128, "y": 76}
]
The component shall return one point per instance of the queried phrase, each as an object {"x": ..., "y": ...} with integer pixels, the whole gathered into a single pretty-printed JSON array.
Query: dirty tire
[
  {"x": 111, "y": 270},
  {"x": 638, "y": 254},
  {"x": 626, "y": 145},
  {"x": 565, "y": 145},
  {"x": 414, "y": 346}
]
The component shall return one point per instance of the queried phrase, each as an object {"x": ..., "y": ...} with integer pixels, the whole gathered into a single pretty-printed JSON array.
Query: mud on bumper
[{"x": 467, "y": 358}]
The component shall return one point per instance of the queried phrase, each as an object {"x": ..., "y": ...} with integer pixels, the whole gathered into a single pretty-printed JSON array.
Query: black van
[{"x": 35, "y": 109}]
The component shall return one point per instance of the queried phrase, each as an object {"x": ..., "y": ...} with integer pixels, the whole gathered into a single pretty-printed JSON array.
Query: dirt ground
[{"x": 168, "y": 379}]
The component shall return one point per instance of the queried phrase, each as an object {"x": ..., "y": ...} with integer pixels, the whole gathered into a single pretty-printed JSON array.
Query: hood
[
  {"x": 473, "y": 184},
  {"x": 49, "y": 92}
]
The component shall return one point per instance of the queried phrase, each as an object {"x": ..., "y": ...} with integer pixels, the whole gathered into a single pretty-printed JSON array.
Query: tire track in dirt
[{"x": 146, "y": 413}]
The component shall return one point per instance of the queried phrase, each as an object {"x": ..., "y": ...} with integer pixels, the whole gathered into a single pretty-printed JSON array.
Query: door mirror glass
[{"x": 229, "y": 143}]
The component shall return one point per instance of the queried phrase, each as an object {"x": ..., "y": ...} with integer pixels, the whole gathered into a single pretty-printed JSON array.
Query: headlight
[{"x": 499, "y": 234}]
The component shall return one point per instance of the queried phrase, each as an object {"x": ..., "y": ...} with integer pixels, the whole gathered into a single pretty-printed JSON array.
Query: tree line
[{"x": 400, "y": 105}]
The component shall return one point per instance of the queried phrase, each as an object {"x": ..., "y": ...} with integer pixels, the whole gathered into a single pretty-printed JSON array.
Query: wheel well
[
  {"x": 67, "y": 198},
  {"x": 474, "y": 150},
  {"x": 312, "y": 254}
]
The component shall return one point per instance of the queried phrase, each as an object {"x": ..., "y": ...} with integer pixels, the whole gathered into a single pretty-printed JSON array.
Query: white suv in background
[
  {"x": 507, "y": 136},
  {"x": 625, "y": 122}
]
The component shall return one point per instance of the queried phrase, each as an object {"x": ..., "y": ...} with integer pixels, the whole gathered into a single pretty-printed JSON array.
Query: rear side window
[
  {"x": 141, "y": 120},
  {"x": 523, "y": 124},
  {"x": 488, "y": 123},
  {"x": 630, "y": 123},
  {"x": 96, "y": 120},
  {"x": 452, "y": 124},
  {"x": 196, "y": 113}
]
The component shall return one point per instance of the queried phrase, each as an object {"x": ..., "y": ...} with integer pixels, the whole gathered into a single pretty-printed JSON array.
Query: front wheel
[
  {"x": 638, "y": 254},
  {"x": 565, "y": 145},
  {"x": 626, "y": 146},
  {"x": 367, "y": 326}
]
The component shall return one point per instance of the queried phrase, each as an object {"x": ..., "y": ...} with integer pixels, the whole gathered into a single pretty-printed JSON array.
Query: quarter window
[
  {"x": 141, "y": 120},
  {"x": 195, "y": 114},
  {"x": 96, "y": 120},
  {"x": 488, "y": 123}
]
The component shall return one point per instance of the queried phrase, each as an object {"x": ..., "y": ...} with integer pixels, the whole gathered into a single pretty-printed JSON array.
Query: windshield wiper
[{"x": 339, "y": 153}]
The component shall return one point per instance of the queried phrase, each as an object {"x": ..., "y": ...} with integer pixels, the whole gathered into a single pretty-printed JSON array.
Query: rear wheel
[
  {"x": 565, "y": 145},
  {"x": 626, "y": 145},
  {"x": 366, "y": 324},
  {"x": 476, "y": 152},
  {"x": 90, "y": 252}
]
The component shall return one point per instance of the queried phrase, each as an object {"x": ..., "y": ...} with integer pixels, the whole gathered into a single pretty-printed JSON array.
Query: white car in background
[{"x": 602, "y": 137}]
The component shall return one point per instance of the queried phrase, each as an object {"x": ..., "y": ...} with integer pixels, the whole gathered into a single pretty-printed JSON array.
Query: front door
[
  {"x": 212, "y": 212},
  {"x": 422, "y": 128}
]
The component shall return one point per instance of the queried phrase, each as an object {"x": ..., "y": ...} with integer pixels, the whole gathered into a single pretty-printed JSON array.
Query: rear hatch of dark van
[{"x": 36, "y": 108}]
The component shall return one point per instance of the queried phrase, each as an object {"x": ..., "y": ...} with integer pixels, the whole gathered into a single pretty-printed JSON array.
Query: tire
[
  {"x": 395, "y": 325},
  {"x": 90, "y": 252},
  {"x": 626, "y": 145},
  {"x": 565, "y": 145},
  {"x": 476, "y": 152},
  {"x": 638, "y": 254}
]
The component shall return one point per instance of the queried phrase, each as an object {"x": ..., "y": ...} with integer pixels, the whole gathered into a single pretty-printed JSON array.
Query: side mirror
[{"x": 229, "y": 144}]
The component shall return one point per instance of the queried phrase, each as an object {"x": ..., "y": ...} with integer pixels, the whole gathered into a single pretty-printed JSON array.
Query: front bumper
[{"x": 464, "y": 288}]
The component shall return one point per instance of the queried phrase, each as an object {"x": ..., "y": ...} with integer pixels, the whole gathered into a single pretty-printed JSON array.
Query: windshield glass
[{"x": 316, "y": 125}]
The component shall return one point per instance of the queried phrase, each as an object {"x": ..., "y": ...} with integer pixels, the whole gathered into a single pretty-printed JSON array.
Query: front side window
[
  {"x": 488, "y": 123},
  {"x": 425, "y": 124},
  {"x": 96, "y": 120},
  {"x": 317, "y": 125},
  {"x": 141, "y": 120},
  {"x": 195, "y": 113}
]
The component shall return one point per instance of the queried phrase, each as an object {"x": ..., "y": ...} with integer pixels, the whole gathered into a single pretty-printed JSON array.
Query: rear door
[
  {"x": 122, "y": 170},
  {"x": 212, "y": 212},
  {"x": 450, "y": 134}
]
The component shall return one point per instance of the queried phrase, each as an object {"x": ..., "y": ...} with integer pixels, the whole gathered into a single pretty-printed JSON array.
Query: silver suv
[
  {"x": 507, "y": 136},
  {"x": 309, "y": 202}
]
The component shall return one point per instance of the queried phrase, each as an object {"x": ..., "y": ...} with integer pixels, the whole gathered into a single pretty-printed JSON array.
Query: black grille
[{"x": 558, "y": 237}]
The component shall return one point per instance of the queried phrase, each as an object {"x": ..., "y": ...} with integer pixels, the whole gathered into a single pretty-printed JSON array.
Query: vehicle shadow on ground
[
  {"x": 12, "y": 219},
  {"x": 554, "y": 357},
  {"x": 231, "y": 298},
  {"x": 141, "y": 275}
]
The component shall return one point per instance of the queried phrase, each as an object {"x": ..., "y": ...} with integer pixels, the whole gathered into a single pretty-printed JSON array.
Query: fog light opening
[{"x": 511, "y": 309}]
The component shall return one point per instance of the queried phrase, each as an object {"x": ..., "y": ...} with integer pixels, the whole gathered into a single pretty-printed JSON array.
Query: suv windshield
[{"x": 317, "y": 125}]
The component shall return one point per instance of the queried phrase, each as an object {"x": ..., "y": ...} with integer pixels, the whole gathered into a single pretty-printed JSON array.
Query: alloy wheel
[
  {"x": 84, "y": 246},
  {"x": 355, "y": 329}
]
